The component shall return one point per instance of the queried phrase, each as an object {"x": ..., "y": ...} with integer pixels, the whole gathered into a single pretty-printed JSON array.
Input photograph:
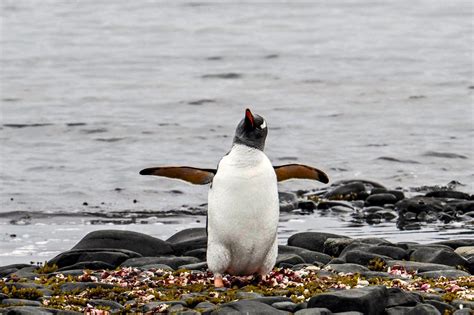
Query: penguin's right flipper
[
  {"x": 290, "y": 171},
  {"x": 197, "y": 176}
]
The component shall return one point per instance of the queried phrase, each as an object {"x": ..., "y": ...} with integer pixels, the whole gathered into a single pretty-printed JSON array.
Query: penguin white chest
[{"x": 243, "y": 212}]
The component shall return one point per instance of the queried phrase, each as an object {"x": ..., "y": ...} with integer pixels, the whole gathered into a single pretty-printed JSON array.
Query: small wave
[
  {"x": 229, "y": 75},
  {"x": 91, "y": 131},
  {"x": 447, "y": 155},
  {"x": 109, "y": 139},
  {"x": 392, "y": 159},
  {"x": 201, "y": 101},
  {"x": 26, "y": 125},
  {"x": 75, "y": 124}
]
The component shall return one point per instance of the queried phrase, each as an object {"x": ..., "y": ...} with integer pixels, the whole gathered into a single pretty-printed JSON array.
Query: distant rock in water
[
  {"x": 447, "y": 155},
  {"x": 392, "y": 159}
]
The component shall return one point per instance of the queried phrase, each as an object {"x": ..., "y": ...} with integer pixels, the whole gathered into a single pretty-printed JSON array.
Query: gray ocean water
[{"x": 94, "y": 91}]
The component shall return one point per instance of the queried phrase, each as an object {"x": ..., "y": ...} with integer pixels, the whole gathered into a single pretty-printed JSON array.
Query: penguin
[{"x": 243, "y": 204}]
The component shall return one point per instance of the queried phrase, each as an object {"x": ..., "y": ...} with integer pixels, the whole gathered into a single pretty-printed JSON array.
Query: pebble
[{"x": 311, "y": 240}]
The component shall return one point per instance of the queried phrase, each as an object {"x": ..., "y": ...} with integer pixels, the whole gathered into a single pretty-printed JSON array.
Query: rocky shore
[{"x": 112, "y": 271}]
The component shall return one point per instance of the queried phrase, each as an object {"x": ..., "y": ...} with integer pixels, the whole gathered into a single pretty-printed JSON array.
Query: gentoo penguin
[{"x": 243, "y": 205}]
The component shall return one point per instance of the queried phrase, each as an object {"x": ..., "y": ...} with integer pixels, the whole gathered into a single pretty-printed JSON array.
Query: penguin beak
[{"x": 249, "y": 121}]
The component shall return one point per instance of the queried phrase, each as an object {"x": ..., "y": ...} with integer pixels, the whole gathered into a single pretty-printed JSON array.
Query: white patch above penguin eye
[{"x": 263, "y": 125}]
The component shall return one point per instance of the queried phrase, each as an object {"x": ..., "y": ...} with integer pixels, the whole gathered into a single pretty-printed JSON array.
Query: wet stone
[
  {"x": 247, "y": 307},
  {"x": 141, "y": 243},
  {"x": 398, "y": 297},
  {"x": 110, "y": 256},
  {"x": 24, "y": 302},
  {"x": 381, "y": 199},
  {"x": 350, "y": 191},
  {"x": 288, "y": 259},
  {"x": 424, "y": 309},
  {"x": 113, "y": 306},
  {"x": 285, "y": 306},
  {"x": 314, "y": 311},
  {"x": 199, "y": 253},
  {"x": 195, "y": 266},
  {"x": 360, "y": 300},
  {"x": 188, "y": 239},
  {"x": 362, "y": 258},
  {"x": 93, "y": 265},
  {"x": 448, "y": 194},
  {"x": 448, "y": 274},
  {"x": 442, "y": 307},
  {"x": 311, "y": 240},
  {"x": 418, "y": 266},
  {"x": 438, "y": 256},
  {"x": 348, "y": 268},
  {"x": 334, "y": 246},
  {"x": 173, "y": 262},
  {"x": 288, "y": 201},
  {"x": 307, "y": 255}
]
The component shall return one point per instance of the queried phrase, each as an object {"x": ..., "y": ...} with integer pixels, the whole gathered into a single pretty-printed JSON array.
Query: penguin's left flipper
[
  {"x": 197, "y": 176},
  {"x": 290, "y": 171}
]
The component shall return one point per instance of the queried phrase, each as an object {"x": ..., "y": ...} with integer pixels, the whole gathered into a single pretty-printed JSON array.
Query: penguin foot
[{"x": 218, "y": 283}]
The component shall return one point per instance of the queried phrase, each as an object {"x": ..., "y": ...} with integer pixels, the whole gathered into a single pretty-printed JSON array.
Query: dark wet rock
[
  {"x": 418, "y": 266},
  {"x": 448, "y": 194},
  {"x": 172, "y": 261},
  {"x": 327, "y": 204},
  {"x": 285, "y": 306},
  {"x": 188, "y": 239},
  {"x": 419, "y": 204},
  {"x": 449, "y": 274},
  {"x": 465, "y": 251},
  {"x": 93, "y": 265},
  {"x": 141, "y": 243},
  {"x": 246, "y": 307},
  {"x": 307, "y": 255},
  {"x": 307, "y": 206},
  {"x": 381, "y": 199},
  {"x": 195, "y": 266},
  {"x": 199, "y": 253},
  {"x": 464, "y": 311},
  {"x": 242, "y": 295},
  {"x": 35, "y": 310},
  {"x": 341, "y": 209},
  {"x": 288, "y": 201},
  {"x": 390, "y": 251},
  {"x": 25, "y": 302},
  {"x": 288, "y": 259},
  {"x": 229, "y": 75},
  {"x": 442, "y": 307},
  {"x": 362, "y": 258},
  {"x": 8, "y": 269},
  {"x": 424, "y": 309},
  {"x": 368, "y": 183},
  {"x": 350, "y": 191},
  {"x": 361, "y": 300},
  {"x": 314, "y": 311},
  {"x": 81, "y": 286},
  {"x": 397, "y": 193},
  {"x": 438, "y": 256},
  {"x": 112, "y": 306},
  {"x": 26, "y": 272},
  {"x": 269, "y": 300},
  {"x": 205, "y": 306},
  {"x": 465, "y": 207},
  {"x": 348, "y": 268},
  {"x": 311, "y": 240},
  {"x": 399, "y": 297},
  {"x": 305, "y": 265},
  {"x": 456, "y": 243},
  {"x": 465, "y": 304},
  {"x": 334, "y": 246},
  {"x": 153, "y": 306},
  {"x": 110, "y": 256}
]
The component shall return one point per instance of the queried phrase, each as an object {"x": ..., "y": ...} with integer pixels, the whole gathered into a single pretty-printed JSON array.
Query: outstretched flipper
[
  {"x": 290, "y": 171},
  {"x": 197, "y": 176}
]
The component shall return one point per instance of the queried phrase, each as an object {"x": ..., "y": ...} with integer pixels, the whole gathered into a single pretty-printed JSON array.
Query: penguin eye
[{"x": 263, "y": 125}]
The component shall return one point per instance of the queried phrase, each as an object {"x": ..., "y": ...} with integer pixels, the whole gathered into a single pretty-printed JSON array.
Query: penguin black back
[{"x": 251, "y": 131}]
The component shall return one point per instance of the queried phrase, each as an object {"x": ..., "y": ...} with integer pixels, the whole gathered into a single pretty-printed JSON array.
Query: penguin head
[{"x": 251, "y": 131}]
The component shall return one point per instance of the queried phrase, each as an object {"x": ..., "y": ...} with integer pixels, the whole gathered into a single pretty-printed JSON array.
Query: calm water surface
[{"x": 94, "y": 91}]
